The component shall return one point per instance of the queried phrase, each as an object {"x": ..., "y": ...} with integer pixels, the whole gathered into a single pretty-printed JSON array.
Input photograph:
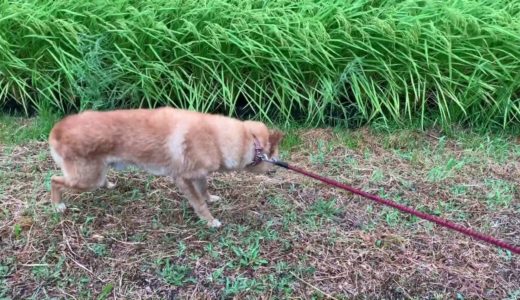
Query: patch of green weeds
[
  {"x": 289, "y": 218},
  {"x": 281, "y": 280},
  {"x": 279, "y": 202},
  {"x": 98, "y": 249},
  {"x": 47, "y": 180},
  {"x": 348, "y": 139},
  {"x": 17, "y": 230},
  {"x": 459, "y": 190},
  {"x": 106, "y": 291},
  {"x": 82, "y": 284},
  {"x": 55, "y": 216},
  {"x": 392, "y": 216},
  {"x": 442, "y": 172},
  {"x": 48, "y": 272},
  {"x": 506, "y": 255},
  {"x": 289, "y": 214},
  {"x": 367, "y": 154},
  {"x": 377, "y": 175},
  {"x": 181, "y": 248},
  {"x": 514, "y": 295},
  {"x": 497, "y": 147},
  {"x": 281, "y": 284},
  {"x": 323, "y": 208},
  {"x": 217, "y": 276},
  {"x": 266, "y": 233},
  {"x": 324, "y": 149},
  {"x": 175, "y": 274},
  {"x": 320, "y": 212},
  {"x": 210, "y": 249},
  {"x": 400, "y": 140},
  {"x": 156, "y": 223},
  {"x": 241, "y": 284},
  {"x": 290, "y": 141},
  {"x": 269, "y": 233},
  {"x": 138, "y": 237},
  {"x": 350, "y": 162},
  {"x": 135, "y": 195},
  {"x": 441, "y": 145},
  {"x": 249, "y": 256},
  {"x": 86, "y": 227},
  {"x": 4, "y": 272},
  {"x": 501, "y": 194},
  {"x": 332, "y": 236},
  {"x": 450, "y": 208}
]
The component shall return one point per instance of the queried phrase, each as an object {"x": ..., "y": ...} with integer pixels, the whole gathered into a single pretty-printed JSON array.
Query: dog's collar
[{"x": 259, "y": 153}]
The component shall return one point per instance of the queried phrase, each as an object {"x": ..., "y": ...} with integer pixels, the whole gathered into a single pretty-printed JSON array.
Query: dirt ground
[{"x": 284, "y": 236}]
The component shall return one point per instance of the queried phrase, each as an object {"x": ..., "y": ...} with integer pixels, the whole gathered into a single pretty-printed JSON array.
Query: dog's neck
[{"x": 258, "y": 152}]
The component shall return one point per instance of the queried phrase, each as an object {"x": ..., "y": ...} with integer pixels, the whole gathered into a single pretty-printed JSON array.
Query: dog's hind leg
[
  {"x": 202, "y": 187},
  {"x": 79, "y": 176}
]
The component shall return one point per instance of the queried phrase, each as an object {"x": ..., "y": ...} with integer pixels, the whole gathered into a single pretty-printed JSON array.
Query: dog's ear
[{"x": 275, "y": 137}]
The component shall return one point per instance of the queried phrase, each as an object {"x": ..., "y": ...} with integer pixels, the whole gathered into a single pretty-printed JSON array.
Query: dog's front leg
[{"x": 197, "y": 200}]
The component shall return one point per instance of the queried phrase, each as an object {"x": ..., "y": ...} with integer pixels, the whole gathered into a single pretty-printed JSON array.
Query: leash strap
[{"x": 419, "y": 214}]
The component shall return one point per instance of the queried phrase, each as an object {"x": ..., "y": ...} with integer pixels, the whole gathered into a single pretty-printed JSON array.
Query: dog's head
[{"x": 268, "y": 141}]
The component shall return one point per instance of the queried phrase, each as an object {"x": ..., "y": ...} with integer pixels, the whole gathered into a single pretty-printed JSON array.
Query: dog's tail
[{"x": 55, "y": 146}]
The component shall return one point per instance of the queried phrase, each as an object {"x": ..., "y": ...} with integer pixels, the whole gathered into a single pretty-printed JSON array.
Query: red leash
[{"x": 435, "y": 219}]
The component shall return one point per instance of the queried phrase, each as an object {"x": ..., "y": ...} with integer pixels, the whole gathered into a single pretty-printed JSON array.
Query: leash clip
[{"x": 265, "y": 158}]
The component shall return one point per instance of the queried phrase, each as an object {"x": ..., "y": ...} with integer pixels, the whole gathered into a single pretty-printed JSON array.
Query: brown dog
[{"x": 185, "y": 145}]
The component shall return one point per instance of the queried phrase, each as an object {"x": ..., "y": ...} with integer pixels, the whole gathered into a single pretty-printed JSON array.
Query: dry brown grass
[{"x": 282, "y": 235}]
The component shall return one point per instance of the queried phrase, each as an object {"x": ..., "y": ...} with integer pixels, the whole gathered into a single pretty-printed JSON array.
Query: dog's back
[{"x": 93, "y": 134}]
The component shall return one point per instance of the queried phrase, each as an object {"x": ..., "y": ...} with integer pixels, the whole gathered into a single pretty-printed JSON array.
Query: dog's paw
[
  {"x": 60, "y": 207},
  {"x": 215, "y": 223},
  {"x": 213, "y": 198},
  {"x": 110, "y": 185}
]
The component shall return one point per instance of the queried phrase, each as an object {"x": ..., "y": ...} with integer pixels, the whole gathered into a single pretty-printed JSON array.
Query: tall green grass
[{"x": 311, "y": 61}]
